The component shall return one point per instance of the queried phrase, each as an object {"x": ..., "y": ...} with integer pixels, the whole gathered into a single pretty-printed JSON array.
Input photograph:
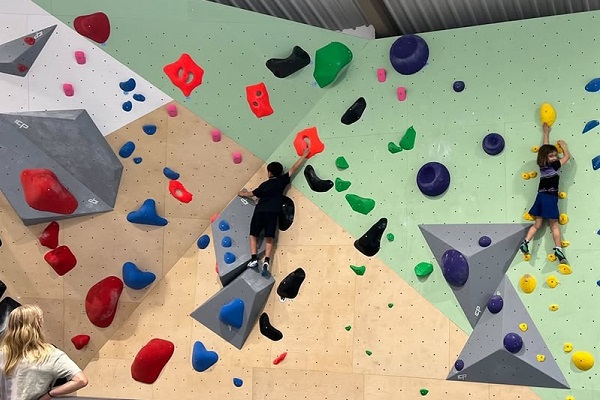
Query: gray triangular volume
[
  {"x": 253, "y": 289},
  {"x": 17, "y": 56},
  {"x": 487, "y": 265},
  {"x": 236, "y": 216},
  {"x": 486, "y": 360}
]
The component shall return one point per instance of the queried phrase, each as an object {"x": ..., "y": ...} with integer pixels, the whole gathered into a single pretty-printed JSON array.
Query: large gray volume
[
  {"x": 254, "y": 290},
  {"x": 487, "y": 265},
  {"x": 18, "y": 56},
  {"x": 486, "y": 360},
  {"x": 69, "y": 144}
]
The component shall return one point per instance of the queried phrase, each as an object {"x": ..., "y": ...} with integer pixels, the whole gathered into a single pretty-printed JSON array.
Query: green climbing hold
[
  {"x": 341, "y": 162},
  {"x": 369, "y": 352},
  {"x": 329, "y": 61},
  {"x": 390, "y": 305},
  {"x": 359, "y": 204},
  {"x": 394, "y": 148},
  {"x": 408, "y": 140},
  {"x": 348, "y": 328},
  {"x": 390, "y": 237},
  {"x": 423, "y": 269},
  {"x": 341, "y": 185},
  {"x": 359, "y": 270},
  {"x": 424, "y": 392}
]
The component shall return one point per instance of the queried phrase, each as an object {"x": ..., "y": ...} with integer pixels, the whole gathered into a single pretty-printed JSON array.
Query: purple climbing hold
[
  {"x": 495, "y": 304},
  {"x": 139, "y": 97},
  {"x": 433, "y": 179},
  {"x": 455, "y": 267},
  {"x": 127, "y": 106},
  {"x": 459, "y": 365},
  {"x": 149, "y": 129},
  {"x": 458, "y": 86},
  {"x": 408, "y": 54},
  {"x": 128, "y": 85},
  {"x": 493, "y": 144},
  {"x": 485, "y": 241},
  {"x": 513, "y": 342}
]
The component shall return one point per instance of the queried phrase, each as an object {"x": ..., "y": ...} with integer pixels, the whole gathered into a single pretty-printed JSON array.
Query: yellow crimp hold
[
  {"x": 528, "y": 217},
  {"x": 553, "y": 307},
  {"x": 569, "y": 398},
  {"x": 551, "y": 257},
  {"x": 526, "y": 257},
  {"x": 562, "y": 195},
  {"x": 532, "y": 174},
  {"x": 563, "y": 219},
  {"x": 565, "y": 243},
  {"x": 560, "y": 150},
  {"x": 568, "y": 347},
  {"x": 527, "y": 283},
  {"x": 565, "y": 269},
  {"x": 552, "y": 282},
  {"x": 541, "y": 357},
  {"x": 525, "y": 175},
  {"x": 523, "y": 327},
  {"x": 535, "y": 149}
]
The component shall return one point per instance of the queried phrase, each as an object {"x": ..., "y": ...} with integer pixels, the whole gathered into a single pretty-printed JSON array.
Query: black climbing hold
[
  {"x": 6, "y": 306},
  {"x": 284, "y": 67},
  {"x": 355, "y": 111},
  {"x": 0, "y": 242},
  {"x": 316, "y": 184},
  {"x": 290, "y": 285},
  {"x": 269, "y": 330},
  {"x": 2, "y": 288},
  {"x": 286, "y": 215},
  {"x": 369, "y": 243}
]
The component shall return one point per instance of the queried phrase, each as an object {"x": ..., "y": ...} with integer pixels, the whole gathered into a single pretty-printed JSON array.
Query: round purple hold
[
  {"x": 495, "y": 304},
  {"x": 408, "y": 54},
  {"x": 513, "y": 342},
  {"x": 485, "y": 241},
  {"x": 493, "y": 144},
  {"x": 455, "y": 268},
  {"x": 459, "y": 365},
  {"x": 433, "y": 179},
  {"x": 458, "y": 86}
]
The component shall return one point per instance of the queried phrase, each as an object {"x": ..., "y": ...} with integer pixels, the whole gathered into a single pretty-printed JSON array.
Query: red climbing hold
[
  {"x": 94, "y": 26},
  {"x": 29, "y": 40},
  {"x": 49, "y": 236},
  {"x": 44, "y": 192},
  {"x": 310, "y": 134},
  {"x": 258, "y": 99},
  {"x": 178, "y": 191},
  {"x": 151, "y": 360},
  {"x": 22, "y": 67},
  {"x": 102, "y": 300},
  {"x": 185, "y": 74},
  {"x": 80, "y": 341},
  {"x": 61, "y": 259},
  {"x": 280, "y": 358}
]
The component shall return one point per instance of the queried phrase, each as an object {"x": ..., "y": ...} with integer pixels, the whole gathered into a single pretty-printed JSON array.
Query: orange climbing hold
[
  {"x": 44, "y": 192},
  {"x": 178, "y": 191},
  {"x": 185, "y": 74},
  {"x": 312, "y": 136},
  {"x": 258, "y": 99}
]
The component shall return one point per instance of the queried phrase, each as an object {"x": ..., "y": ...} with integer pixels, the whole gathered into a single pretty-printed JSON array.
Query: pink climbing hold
[
  {"x": 61, "y": 259},
  {"x": 151, "y": 359},
  {"x": 171, "y": 110},
  {"x": 237, "y": 157},
  {"x": 216, "y": 135},
  {"x": 49, "y": 237},
  {"x": 68, "y": 89},
  {"x": 44, "y": 192},
  {"x": 214, "y": 218},
  {"x": 401, "y": 92},
  {"x": 381, "y": 75},
  {"x": 80, "y": 57},
  {"x": 80, "y": 341},
  {"x": 102, "y": 300}
]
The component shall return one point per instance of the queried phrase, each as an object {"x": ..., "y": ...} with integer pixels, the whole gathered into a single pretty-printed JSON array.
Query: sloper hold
[
  {"x": 286, "y": 215},
  {"x": 203, "y": 359},
  {"x": 370, "y": 242},
  {"x": 151, "y": 359},
  {"x": 330, "y": 60},
  {"x": 290, "y": 285},
  {"x": 17, "y": 56},
  {"x": 355, "y": 111},
  {"x": 44, "y": 192},
  {"x": 61, "y": 259},
  {"x": 314, "y": 182},
  {"x": 102, "y": 300},
  {"x": 284, "y": 67}
]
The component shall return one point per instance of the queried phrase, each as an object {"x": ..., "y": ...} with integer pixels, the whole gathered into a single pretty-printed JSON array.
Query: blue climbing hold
[
  {"x": 593, "y": 85},
  {"x": 229, "y": 258},
  {"x": 203, "y": 359},
  {"x": 590, "y": 125},
  {"x": 596, "y": 162},
  {"x": 223, "y": 225},
  {"x": 232, "y": 313},
  {"x": 459, "y": 365},
  {"x": 485, "y": 241},
  {"x": 226, "y": 241},
  {"x": 128, "y": 85},
  {"x": 513, "y": 342},
  {"x": 137, "y": 160},
  {"x": 135, "y": 278},
  {"x": 495, "y": 304},
  {"x": 203, "y": 242},
  {"x": 127, "y": 149},
  {"x": 455, "y": 267},
  {"x": 237, "y": 382},
  {"x": 127, "y": 106},
  {"x": 146, "y": 215},
  {"x": 169, "y": 173},
  {"x": 149, "y": 129},
  {"x": 139, "y": 97}
]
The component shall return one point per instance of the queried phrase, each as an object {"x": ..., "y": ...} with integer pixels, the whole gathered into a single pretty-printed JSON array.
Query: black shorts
[{"x": 266, "y": 221}]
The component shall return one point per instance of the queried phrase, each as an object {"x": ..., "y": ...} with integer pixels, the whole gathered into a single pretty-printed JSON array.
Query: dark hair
[
  {"x": 275, "y": 168},
  {"x": 543, "y": 152}
]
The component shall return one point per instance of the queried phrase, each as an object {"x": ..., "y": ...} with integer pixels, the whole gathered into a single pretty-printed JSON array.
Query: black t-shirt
[
  {"x": 270, "y": 193},
  {"x": 549, "y": 178}
]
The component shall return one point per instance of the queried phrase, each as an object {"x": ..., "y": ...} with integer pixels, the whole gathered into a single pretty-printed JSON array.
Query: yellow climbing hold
[
  {"x": 569, "y": 398},
  {"x": 541, "y": 357},
  {"x": 523, "y": 327},
  {"x": 547, "y": 114},
  {"x": 527, "y": 257},
  {"x": 551, "y": 257},
  {"x": 565, "y": 243},
  {"x": 583, "y": 360},
  {"x": 562, "y": 195},
  {"x": 553, "y": 307},
  {"x": 568, "y": 347},
  {"x": 552, "y": 282},
  {"x": 528, "y": 217},
  {"x": 532, "y": 174},
  {"x": 565, "y": 269},
  {"x": 563, "y": 219},
  {"x": 525, "y": 175},
  {"x": 535, "y": 149},
  {"x": 558, "y": 148},
  {"x": 527, "y": 283}
]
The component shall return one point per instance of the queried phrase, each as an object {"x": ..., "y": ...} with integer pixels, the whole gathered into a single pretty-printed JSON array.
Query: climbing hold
[
  {"x": 553, "y": 307},
  {"x": 330, "y": 60},
  {"x": 171, "y": 110},
  {"x": 547, "y": 114},
  {"x": 44, "y": 192},
  {"x": 359, "y": 204},
  {"x": 513, "y": 342},
  {"x": 527, "y": 283},
  {"x": 203, "y": 242},
  {"x": 423, "y": 392},
  {"x": 68, "y": 90},
  {"x": 135, "y": 278},
  {"x": 495, "y": 304},
  {"x": 369, "y": 353},
  {"x": 237, "y": 157},
  {"x": 568, "y": 347},
  {"x": 49, "y": 237},
  {"x": 203, "y": 359},
  {"x": 558, "y": 148},
  {"x": 229, "y": 257},
  {"x": 369, "y": 243},
  {"x": 151, "y": 359},
  {"x": 139, "y": 97},
  {"x": 562, "y": 195},
  {"x": 341, "y": 185},
  {"x": 455, "y": 268},
  {"x": 593, "y": 85},
  {"x": 523, "y": 327},
  {"x": 390, "y": 237},
  {"x": 258, "y": 100},
  {"x": 590, "y": 125},
  {"x": 390, "y": 305},
  {"x": 137, "y": 160},
  {"x": 423, "y": 269},
  {"x": 185, "y": 74},
  {"x": 286, "y": 214},
  {"x": 223, "y": 225},
  {"x": 355, "y": 111},
  {"x": 485, "y": 241},
  {"x": 61, "y": 259},
  {"x": 128, "y": 85},
  {"x": 80, "y": 57},
  {"x": 102, "y": 299},
  {"x": 459, "y": 365},
  {"x": 408, "y": 140},
  {"x": 528, "y": 217},
  {"x": 310, "y": 135},
  {"x": 226, "y": 241},
  {"x": 127, "y": 106},
  {"x": 80, "y": 341},
  {"x": 279, "y": 358},
  {"x": 582, "y": 360},
  {"x": 341, "y": 163},
  {"x": 381, "y": 75},
  {"x": 237, "y": 382},
  {"x": 458, "y": 86},
  {"x": 178, "y": 191},
  {"x": 552, "y": 282},
  {"x": 232, "y": 313},
  {"x": 94, "y": 26},
  {"x": 563, "y": 219},
  {"x": 348, "y": 327},
  {"x": 358, "y": 270},
  {"x": 433, "y": 179},
  {"x": 169, "y": 173},
  {"x": 409, "y": 54},
  {"x": 394, "y": 148},
  {"x": 290, "y": 285},
  {"x": 564, "y": 243},
  {"x": 564, "y": 269},
  {"x": 149, "y": 129},
  {"x": 127, "y": 149},
  {"x": 535, "y": 149},
  {"x": 314, "y": 182},
  {"x": 269, "y": 330},
  {"x": 284, "y": 67},
  {"x": 401, "y": 93},
  {"x": 147, "y": 215},
  {"x": 596, "y": 163},
  {"x": 493, "y": 144},
  {"x": 532, "y": 174},
  {"x": 215, "y": 134},
  {"x": 525, "y": 175},
  {"x": 540, "y": 357},
  {"x": 569, "y": 398}
]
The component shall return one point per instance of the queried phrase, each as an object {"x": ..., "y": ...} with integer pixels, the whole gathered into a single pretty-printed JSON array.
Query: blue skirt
[{"x": 545, "y": 206}]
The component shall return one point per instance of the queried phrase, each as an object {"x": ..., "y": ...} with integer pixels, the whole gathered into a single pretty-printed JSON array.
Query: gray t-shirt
[{"x": 30, "y": 381}]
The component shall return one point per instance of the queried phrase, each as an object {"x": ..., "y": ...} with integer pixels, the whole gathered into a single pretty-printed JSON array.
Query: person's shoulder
[{"x": 556, "y": 164}]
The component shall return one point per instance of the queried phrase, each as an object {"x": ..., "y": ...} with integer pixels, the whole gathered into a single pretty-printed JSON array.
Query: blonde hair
[{"x": 23, "y": 337}]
